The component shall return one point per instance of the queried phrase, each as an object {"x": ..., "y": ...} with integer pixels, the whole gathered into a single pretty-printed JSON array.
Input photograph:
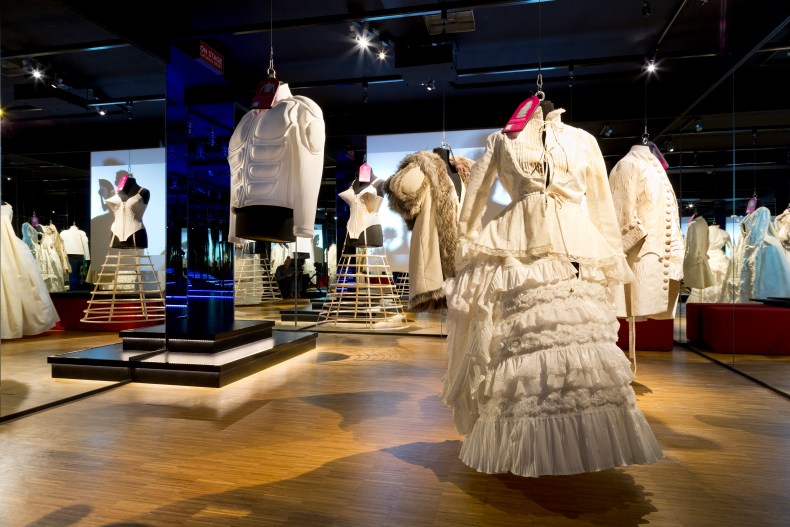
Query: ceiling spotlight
[
  {"x": 606, "y": 130},
  {"x": 57, "y": 82},
  {"x": 698, "y": 125},
  {"x": 102, "y": 112},
  {"x": 668, "y": 146},
  {"x": 37, "y": 74},
  {"x": 430, "y": 85},
  {"x": 651, "y": 66},
  {"x": 362, "y": 34},
  {"x": 646, "y": 8},
  {"x": 381, "y": 54}
]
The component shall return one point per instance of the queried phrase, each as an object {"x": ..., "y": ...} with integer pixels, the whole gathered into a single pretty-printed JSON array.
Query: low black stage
[{"x": 186, "y": 356}]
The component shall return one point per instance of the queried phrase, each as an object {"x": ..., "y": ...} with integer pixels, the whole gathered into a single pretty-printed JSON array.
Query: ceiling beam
[{"x": 373, "y": 15}]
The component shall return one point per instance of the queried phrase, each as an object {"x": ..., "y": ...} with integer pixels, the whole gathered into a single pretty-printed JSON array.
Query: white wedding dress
[
  {"x": 25, "y": 305},
  {"x": 535, "y": 379}
]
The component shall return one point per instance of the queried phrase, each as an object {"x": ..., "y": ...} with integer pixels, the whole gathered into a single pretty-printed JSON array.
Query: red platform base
[
  {"x": 739, "y": 328},
  {"x": 651, "y": 335},
  {"x": 71, "y": 308}
]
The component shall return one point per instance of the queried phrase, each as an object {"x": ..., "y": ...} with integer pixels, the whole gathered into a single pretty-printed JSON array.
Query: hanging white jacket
[{"x": 276, "y": 159}]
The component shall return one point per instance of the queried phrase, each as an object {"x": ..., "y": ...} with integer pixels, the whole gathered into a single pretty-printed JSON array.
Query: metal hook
[
  {"x": 270, "y": 71},
  {"x": 539, "y": 94}
]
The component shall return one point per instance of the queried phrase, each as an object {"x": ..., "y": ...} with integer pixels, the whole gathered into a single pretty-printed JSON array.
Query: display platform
[
  {"x": 651, "y": 335},
  {"x": 739, "y": 328},
  {"x": 71, "y": 306},
  {"x": 150, "y": 355},
  {"x": 309, "y": 313}
]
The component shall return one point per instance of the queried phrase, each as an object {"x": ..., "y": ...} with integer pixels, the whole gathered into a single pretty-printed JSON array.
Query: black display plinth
[
  {"x": 203, "y": 338},
  {"x": 209, "y": 359}
]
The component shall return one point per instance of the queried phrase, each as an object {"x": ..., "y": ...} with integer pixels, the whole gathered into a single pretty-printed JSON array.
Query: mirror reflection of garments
[
  {"x": 75, "y": 241},
  {"x": 423, "y": 194},
  {"x": 42, "y": 244},
  {"x": 760, "y": 267},
  {"x": 719, "y": 245},
  {"x": 51, "y": 231},
  {"x": 25, "y": 305},
  {"x": 127, "y": 228},
  {"x": 364, "y": 225},
  {"x": 782, "y": 224},
  {"x": 647, "y": 213},
  {"x": 276, "y": 159},
  {"x": 697, "y": 272}
]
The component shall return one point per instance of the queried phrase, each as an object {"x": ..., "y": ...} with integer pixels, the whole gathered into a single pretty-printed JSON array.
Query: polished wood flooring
[{"x": 353, "y": 434}]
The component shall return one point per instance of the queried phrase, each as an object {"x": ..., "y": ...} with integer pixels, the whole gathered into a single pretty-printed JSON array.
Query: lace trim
[{"x": 610, "y": 269}]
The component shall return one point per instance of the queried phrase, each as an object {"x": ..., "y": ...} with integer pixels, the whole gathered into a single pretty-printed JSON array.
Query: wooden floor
[{"x": 353, "y": 434}]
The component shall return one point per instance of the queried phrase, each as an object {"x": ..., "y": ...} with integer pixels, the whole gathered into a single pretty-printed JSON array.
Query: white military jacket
[
  {"x": 647, "y": 211},
  {"x": 276, "y": 158}
]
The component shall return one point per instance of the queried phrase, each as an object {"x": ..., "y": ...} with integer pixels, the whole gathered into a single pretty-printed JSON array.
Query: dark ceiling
[{"x": 724, "y": 62}]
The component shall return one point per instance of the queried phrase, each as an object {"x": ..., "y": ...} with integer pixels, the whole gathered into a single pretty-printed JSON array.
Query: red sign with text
[{"x": 212, "y": 57}]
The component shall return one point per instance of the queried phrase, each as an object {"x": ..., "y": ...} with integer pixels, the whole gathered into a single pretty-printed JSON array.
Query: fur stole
[{"x": 444, "y": 200}]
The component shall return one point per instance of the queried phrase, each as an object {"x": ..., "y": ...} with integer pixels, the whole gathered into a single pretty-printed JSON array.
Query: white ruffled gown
[
  {"x": 25, "y": 305},
  {"x": 535, "y": 379}
]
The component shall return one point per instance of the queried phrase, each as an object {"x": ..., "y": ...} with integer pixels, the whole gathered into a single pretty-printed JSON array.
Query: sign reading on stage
[{"x": 212, "y": 57}]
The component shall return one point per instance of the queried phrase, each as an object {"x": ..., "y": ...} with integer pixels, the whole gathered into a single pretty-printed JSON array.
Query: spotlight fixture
[
  {"x": 698, "y": 125},
  {"x": 430, "y": 85},
  {"x": 57, "y": 82},
  {"x": 668, "y": 146},
  {"x": 362, "y": 34},
  {"x": 102, "y": 112},
  {"x": 646, "y": 8},
  {"x": 651, "y": 66},
  {"x": 381, "y": 54},
  {"x": 606, "y": 130}
]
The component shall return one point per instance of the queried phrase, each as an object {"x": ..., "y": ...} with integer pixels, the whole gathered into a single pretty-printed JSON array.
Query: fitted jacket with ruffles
[{"x": 422, "y": 192}]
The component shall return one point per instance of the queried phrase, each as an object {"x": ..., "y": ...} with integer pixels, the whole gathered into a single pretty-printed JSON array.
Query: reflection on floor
[
  {"x": 26, "y": 376},
  {"x": 354, "y": 434},
  {"x": 27, "y": 383},
  {"x": 428, "y": 323}
]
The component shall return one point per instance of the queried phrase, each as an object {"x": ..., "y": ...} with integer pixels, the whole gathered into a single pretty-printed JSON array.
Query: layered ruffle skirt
[{"x": 535, "y": 379}]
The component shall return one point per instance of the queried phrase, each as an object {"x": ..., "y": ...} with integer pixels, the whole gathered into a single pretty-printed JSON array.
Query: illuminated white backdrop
[
  {"x": 148, "y": 167},
  {"x": 385, "y": 153}
]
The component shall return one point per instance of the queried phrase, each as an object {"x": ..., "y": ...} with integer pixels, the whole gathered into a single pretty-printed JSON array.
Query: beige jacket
[
  {"x": 422, "y": 192},
  {"x": 647, "y": 212}
]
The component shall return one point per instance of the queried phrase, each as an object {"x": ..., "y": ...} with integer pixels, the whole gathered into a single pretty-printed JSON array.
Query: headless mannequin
[
  {"x": 452, "y": 170},
  {"x": 138, "y": 239},
  {"x": 547, "y": 106},
  {"x": 372, "y": 236}
]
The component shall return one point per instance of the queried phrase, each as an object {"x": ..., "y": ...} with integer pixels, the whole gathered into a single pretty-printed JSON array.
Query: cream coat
[
  {"x": 698, "y": 274},
  {"x": 647, "y": 211},
  {"x": 422, "y": 192}
]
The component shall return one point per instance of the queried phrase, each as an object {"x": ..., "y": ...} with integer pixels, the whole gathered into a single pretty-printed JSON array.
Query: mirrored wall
[
  {"x": 66, "y": 135},
  {"x": 51, "y": 133}
]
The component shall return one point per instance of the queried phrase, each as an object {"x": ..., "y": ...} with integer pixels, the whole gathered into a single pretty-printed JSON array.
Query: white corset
[
  {"x": 363, "y": 209},
  {"x": 128, "y": 214}
]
